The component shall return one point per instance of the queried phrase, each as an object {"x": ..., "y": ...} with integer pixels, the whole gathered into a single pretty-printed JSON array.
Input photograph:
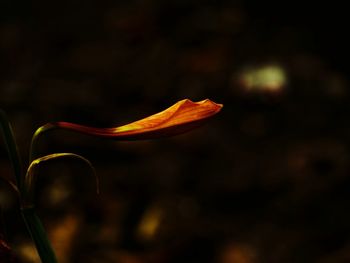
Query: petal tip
[{"x": 209, "y": 102}]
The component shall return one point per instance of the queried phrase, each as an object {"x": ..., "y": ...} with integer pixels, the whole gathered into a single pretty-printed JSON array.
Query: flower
[{"x": 179, "y": 118}]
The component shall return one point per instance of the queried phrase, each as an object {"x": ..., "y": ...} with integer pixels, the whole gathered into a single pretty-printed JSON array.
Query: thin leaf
[
  {"x": 11, "y": 147},
  {"x": 30, "y": 175},
  {"x": 38, "y": 234}
]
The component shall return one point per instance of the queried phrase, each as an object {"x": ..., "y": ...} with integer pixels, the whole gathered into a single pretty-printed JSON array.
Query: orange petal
[{"x": 179, "y": 118}]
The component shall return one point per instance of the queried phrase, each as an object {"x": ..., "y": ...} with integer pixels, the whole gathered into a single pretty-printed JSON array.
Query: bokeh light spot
[{"x": 271, "y": 78}]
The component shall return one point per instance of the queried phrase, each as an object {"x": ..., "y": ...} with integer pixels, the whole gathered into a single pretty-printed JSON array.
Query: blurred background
[{"x": 265, "y": 181}]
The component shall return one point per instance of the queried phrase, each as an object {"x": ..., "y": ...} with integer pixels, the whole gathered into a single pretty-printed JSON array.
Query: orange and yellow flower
[
  {"x": 183, "y": 116},
  {"x": 179, "y": 118}
]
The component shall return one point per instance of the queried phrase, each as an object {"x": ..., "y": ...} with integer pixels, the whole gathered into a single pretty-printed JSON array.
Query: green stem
[
  {"x": 12, "y": 149},
  {"x": 38, "y": 234},
  {"x": 31, "y": 219},
  {"x": 33, "y": 145}
]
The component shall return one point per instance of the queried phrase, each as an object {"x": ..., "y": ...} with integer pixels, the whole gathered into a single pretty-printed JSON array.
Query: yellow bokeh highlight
[{"x": 264, "y": 78}]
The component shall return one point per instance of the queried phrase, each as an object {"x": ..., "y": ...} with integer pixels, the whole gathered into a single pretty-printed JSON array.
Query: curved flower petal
[{"x": 179, "y": 118}]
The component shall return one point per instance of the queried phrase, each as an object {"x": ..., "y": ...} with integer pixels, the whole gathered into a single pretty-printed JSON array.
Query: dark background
[{"x": 265, "y": 181}]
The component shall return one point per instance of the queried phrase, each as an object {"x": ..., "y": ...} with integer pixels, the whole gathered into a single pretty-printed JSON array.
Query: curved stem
[{"x": 35, "y": 138}]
